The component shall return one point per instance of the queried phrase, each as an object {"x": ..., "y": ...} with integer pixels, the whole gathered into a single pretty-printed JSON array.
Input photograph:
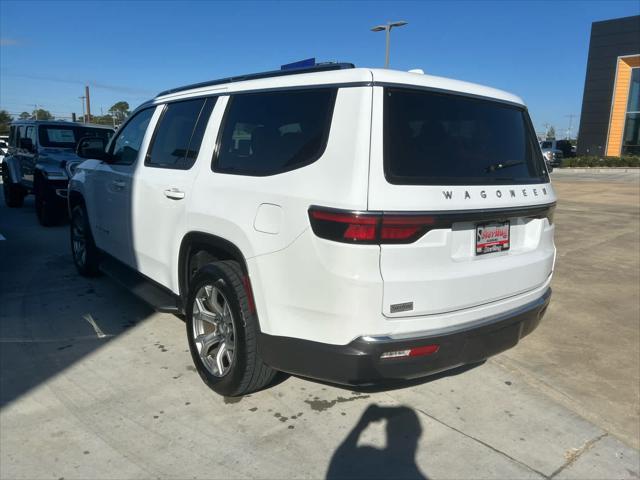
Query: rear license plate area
[{"x": 492, "y": 237}]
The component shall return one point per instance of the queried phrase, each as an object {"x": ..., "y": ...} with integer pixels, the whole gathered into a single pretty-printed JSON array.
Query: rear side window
[
  {"x": 444, "y": 139},
  {"x": 274, "y": 132},
  {"x": 177, "y": 139}
]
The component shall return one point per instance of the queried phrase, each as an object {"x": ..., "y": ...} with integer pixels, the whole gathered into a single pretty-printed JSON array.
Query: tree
[
  {"x": 41, "y": 114},
  {"x": 24, "y": 116},
  {"x": 5, "y": 120},
  {"x": 120, "y": 110},
  {"x": 551, "y": 133}
]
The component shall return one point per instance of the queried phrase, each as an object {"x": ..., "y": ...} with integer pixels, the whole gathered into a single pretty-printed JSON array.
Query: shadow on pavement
[
  {"x": 51, "y": 317},
  {"x": 396, "y": 460}
]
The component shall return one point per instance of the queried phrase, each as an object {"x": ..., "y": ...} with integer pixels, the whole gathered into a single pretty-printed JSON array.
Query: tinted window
[
  {"x": 126, "y": 146},
  {"x": 268, "y": 133},
  {"x": 179, "y": 134},
  {"x": 31, "y": 134},
  {"x": 67, "y": 136},
  {"x": 13, "y": 136},
  {"x": 546, "y": 144},
  {"x": 442, "y": 139}
]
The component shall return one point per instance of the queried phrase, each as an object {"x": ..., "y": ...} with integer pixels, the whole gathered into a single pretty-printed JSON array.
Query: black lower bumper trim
[{"x": 359, "y": 362}]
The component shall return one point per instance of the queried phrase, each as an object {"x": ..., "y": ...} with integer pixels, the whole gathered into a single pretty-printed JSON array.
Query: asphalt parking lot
[{"x": 94, "y": 384}]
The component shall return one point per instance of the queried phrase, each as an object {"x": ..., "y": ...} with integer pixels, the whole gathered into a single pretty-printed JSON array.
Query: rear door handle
[
  {"x": 174, "y": 194},
  {"x": 118, "y": 184}
]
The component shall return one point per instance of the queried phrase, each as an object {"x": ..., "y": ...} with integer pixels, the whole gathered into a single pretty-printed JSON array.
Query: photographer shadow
[{"x": 397, "y": 460}]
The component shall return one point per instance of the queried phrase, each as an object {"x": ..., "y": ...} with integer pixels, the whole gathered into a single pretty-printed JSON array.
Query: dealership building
[{"x": 610, "y": 118}]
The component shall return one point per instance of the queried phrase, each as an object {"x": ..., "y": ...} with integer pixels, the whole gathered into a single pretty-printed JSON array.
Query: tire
[
  {"x": 46, "y": 209},
  {"x": 82, "y": 240},
  {"x": 13, "y": 193},
  {"x": 219, "y": 288}
]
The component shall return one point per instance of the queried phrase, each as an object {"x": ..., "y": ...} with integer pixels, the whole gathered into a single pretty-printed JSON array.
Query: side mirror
[
  {"x": 92, "y": 147},
  {"x": 26, "y": 144}
]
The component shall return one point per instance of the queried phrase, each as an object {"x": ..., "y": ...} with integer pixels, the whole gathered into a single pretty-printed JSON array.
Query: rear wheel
[
  {"x": 46, "y": 209},
  {"x": 13, "y": 193},
  {"x": 222, "y": 331},
  {"x": 86, "y": 255}
]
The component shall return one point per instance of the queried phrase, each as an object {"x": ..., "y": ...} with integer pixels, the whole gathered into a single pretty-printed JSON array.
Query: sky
[{"x": 131, "y": 50}]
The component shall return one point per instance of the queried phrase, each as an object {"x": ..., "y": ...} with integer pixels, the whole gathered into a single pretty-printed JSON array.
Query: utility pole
[
  {"x": 86, "y": 92},
  {"x": 84, "y": 119},
  {"x": 36, "y": 110},
  {"x": 571, "y": 117}
]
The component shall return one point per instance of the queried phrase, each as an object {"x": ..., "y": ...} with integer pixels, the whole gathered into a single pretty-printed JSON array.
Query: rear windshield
[
  {"x": 68, "y": 136},
  {"x": 443, "y": 139}
]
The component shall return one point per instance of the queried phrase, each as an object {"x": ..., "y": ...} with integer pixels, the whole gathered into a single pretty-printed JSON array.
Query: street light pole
[{"x": 387, "y": 28}]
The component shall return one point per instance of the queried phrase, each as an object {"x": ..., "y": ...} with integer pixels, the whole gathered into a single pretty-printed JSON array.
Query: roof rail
[{"x": 320, "y": 67}]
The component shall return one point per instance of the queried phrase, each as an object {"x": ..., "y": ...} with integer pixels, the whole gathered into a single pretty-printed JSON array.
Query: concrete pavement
[{"x": 93, "y": 384}]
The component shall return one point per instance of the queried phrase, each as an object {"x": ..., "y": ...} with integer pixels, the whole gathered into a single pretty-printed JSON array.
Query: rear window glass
[
  {"x": 177, "y": 139},
  {"x": 68, "y": 136},
  {"x": 273, "y": 132},
  {"x": 546, "y": 144},
  {"x": 443, "y": 139}
]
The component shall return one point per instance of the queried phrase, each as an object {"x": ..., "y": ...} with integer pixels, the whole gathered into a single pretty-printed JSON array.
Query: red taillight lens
[
  {"x": 354, "y": 227},
  {"x": 369, "y": 228},
  {"x": 403, "y": 227}
]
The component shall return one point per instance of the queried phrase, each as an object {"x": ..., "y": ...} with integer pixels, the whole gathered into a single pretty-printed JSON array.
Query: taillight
[
  {"x": 367, "y": 227},
  {"x": 374, "y": 228}
]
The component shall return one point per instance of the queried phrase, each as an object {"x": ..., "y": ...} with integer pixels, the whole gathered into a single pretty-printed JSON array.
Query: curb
[{"x": 597, "y": 170}]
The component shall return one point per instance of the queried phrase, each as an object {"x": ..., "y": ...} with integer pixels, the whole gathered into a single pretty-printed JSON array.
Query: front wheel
[
  {"x": 86, "y": 255},
  {"x": 47, "y": 211},
  {"x": 222, "y": 331}
]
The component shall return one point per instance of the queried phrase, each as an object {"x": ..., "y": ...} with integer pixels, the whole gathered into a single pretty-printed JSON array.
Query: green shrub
[{"x": 601, "y": 162}]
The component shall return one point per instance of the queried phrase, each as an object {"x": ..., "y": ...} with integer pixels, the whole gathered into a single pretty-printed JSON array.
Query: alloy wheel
[
  {"x": 214, "y": 332},
  {"x": 79, "y": 240}
]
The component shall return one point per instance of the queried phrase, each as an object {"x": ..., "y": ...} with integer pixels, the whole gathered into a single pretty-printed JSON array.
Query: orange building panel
[{"x": 619, "y": 105}]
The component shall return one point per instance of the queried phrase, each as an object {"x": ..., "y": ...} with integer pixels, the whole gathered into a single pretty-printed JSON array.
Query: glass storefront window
[{"x": 631, "y": 136}]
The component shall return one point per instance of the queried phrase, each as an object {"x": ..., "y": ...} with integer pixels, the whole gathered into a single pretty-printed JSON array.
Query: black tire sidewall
[
  {"x": 229, "y": 384},
  {"x": 45, "y": 207},
  {"x": 90, "y": 267},
  {"x": 13, "y": 196}
]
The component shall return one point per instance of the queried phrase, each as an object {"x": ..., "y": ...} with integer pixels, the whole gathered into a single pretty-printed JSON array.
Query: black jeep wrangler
[{"x": 40, "y": 160}]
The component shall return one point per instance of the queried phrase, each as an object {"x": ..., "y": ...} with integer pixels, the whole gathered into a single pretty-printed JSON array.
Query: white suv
[{"x": 347, "y": 224}]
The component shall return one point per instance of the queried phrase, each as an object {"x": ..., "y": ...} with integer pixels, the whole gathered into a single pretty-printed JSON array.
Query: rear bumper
[{"x": 359, "y": 362}]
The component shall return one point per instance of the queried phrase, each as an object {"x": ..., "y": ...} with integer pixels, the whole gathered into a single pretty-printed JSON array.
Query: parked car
[
  {"x": 41, "y": 156},
  {"x": 4, "y": 147},
  {"x": 348, "y": 224},
  {"x": 553, "y": 156}
]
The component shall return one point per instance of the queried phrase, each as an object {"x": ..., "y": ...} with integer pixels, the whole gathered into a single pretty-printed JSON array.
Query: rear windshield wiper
[{"x": 498, "y": 166}]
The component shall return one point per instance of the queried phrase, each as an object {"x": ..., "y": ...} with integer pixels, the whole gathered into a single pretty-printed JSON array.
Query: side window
[
  {"x": 126, "y": 146},
  {"x": 176, "y": 141},
  {"x": 21, "y": 134},
  {"x": 274, "y": 132},
  {"x": 13, "y": 138},
  {"x": 31, "y": 133}
]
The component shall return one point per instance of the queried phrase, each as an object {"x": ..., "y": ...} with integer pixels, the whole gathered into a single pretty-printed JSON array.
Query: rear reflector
[{"x": 412, "y": 352}]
